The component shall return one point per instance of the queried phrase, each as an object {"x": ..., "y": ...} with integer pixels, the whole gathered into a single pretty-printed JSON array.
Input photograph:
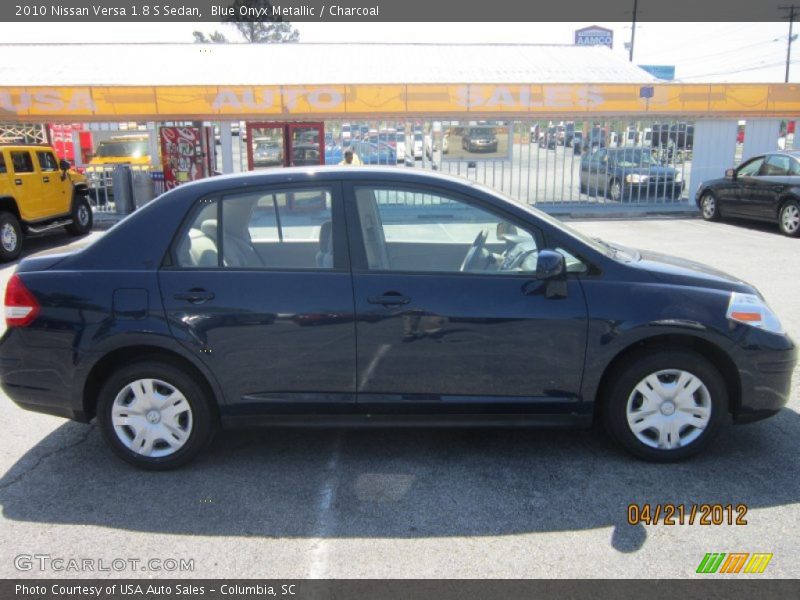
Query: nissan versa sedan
[
  {"x": 764, "y": 188},
  {"x": 386, "y": 297}
]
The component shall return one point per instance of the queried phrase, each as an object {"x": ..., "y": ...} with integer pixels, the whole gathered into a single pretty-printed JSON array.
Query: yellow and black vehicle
[{"x": 38, "y": 193}]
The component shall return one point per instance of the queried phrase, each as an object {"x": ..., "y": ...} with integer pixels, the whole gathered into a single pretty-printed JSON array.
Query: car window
[
  {"x": 776, "y": 165},
  {"x": 281, "y": 229},
  {"x": 47, "y": 161},
  {"x": 22, "y": 162},
  {"x": 794, "y": 168},
  {"x": 417, "y": 231},
  {"x": 751, "y": 168},
  {"x": 3, "y": 163}
]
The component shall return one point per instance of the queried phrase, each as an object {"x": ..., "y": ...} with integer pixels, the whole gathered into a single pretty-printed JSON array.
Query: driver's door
[{"x": 432, "y": 338}]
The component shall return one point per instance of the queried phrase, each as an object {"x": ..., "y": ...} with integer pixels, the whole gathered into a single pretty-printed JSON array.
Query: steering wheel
[{"x": 474, "y": 253}]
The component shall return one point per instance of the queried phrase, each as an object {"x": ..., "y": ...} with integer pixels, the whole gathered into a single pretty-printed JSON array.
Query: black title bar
[{"x": 392, "y": 10}]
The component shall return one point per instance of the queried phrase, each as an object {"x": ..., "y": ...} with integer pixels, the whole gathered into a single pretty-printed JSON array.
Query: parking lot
[{"x": 427, "y": 503}]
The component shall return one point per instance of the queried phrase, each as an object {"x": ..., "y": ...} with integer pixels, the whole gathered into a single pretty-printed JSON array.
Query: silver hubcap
[
  {"x": 152, "y": 418},
  {"x": 709, "y": 206},
  {"x": 8, "y": 237},
  {"x": 83, "y": 215},
  {"x": 790, "y": 219},
  {"x": 669, "y": 409}
]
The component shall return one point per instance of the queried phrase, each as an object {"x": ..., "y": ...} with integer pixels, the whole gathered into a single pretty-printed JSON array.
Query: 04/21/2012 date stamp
[{"x": 687, "y": 514}]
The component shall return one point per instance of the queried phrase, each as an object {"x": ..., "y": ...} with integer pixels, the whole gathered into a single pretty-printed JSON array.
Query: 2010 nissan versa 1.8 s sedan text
[{"x": 348, "y": 296}]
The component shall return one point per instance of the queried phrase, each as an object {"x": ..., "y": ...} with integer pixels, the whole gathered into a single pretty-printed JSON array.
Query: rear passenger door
[
  {"x": 27, "y": 185},
  {"x": 259, "y": 286}
]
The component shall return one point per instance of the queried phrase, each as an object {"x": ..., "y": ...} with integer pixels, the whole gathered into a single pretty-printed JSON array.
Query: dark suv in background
[{"x": 479, "y": 139}]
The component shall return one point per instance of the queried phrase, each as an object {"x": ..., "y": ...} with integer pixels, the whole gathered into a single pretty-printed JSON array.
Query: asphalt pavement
[{"x": 417, "y": 502}]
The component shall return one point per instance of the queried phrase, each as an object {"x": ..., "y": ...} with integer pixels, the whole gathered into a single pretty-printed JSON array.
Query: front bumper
[{"x": 766, "y": 363}]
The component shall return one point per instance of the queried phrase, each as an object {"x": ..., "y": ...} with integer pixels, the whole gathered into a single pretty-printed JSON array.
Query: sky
[{"x": 701, "y": 52}]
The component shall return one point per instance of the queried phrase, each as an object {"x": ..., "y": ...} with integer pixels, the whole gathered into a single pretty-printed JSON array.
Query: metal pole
[
  {"x": 633, "y": 29},
  {"x": 789, "y": 44}
]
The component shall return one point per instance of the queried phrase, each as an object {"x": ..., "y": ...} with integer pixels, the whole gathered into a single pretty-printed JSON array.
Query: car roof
[{"x": 327, "y": 173}]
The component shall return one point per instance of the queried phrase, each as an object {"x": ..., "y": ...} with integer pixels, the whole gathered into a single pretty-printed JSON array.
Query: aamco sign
[{"x": 594, "y": 36}]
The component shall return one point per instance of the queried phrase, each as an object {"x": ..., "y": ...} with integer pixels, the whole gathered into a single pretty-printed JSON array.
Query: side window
[
  {"x": 776, "y": 165},
  {"x": 22, "y": 162},
  {"x": 3, "y": 168},
  {"x": 751, "y": 168},
  {"x": 281, "y": 229},
  {"x": 794, "y": 169},
  {"x": 416, "y": 231},
  {"x": 47, "y": 161},
  {"x": 198, "y": 247}
]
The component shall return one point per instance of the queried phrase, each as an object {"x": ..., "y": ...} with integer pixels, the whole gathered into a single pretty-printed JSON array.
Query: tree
[
  {"x": 261, "y": 30},
  {"x": 214, "y": 38}
]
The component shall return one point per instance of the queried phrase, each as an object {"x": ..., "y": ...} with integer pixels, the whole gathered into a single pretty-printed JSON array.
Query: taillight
[{"x": 21, "y": 307}]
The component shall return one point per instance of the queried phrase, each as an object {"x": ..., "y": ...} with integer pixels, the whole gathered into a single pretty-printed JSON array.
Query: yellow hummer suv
[{"x": 38, "y": 193}]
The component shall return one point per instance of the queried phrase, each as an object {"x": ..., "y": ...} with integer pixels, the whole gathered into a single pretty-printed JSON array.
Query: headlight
[
  {"x": 752, "y": 310},
  {"x": 678, "y": 176},
  {"x": 636, "y": 178}
]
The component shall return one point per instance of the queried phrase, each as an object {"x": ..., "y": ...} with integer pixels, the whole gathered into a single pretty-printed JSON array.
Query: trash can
[
  {"x": 122, "y": 185},
  {"x": 144, "y": 188}
]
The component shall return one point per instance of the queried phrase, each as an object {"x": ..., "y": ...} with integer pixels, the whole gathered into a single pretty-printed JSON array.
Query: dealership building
[{"x": 546, "y": 111}]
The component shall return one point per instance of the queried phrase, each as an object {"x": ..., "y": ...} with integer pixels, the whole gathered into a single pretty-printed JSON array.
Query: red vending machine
[{"x": 184, "y": 154}]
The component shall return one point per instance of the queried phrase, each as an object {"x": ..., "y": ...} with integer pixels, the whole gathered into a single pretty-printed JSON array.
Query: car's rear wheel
[
  {"x": 789, "y": 218},
  {"x": 665, "y": 405},
  {"x": 10, "y": 237},
  {"x": 81, "y": 217},
  {"x": 155, "y": 416},
  {"x": 709, "y": 207}
]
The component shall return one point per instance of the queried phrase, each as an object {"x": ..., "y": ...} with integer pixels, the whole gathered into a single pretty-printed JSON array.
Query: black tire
[
  {"x": 709, "y": 207},
  {"x": 629, "y": 375},
  {"x": 788, "y": 217},
  {"x": 204, "y": 419},
  {"x": 10, "y": 237},
  {"x": 611, "y": 194},
  {"x": 82, "y": 218}
]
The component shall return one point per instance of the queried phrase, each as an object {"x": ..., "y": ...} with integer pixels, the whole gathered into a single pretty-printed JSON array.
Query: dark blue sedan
[
  {"x": 363, "y": 295},
  {"x": 629, "y": 174}
]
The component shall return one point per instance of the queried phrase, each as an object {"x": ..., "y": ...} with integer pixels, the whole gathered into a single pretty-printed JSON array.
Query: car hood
[{"x": 679, "y": 271}]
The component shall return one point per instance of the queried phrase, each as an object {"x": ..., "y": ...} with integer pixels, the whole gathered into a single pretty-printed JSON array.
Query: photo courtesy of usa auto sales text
[{"x": 150, "y": 590}]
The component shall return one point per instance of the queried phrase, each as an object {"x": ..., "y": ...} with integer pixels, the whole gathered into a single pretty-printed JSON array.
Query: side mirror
[
  {"x": 730, "y": 174},
  {"x": 550, "y": 265},
  {"x": 64, "y": 165}
]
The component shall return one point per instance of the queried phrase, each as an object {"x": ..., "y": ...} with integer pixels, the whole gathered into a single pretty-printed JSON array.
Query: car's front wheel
[
  {"x": 665, "y": 405},
  {"x": 155, "y": 415},
  {"x": 81, "y": 217},
  {"x": 789, "y": 218},
  {"x": 616, "y": 191},
  {"x": 709, "y": 207}
]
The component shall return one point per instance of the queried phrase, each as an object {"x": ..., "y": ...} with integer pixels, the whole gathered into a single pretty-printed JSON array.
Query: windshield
[
  {"x": 401, "y": 137},
  {"x": 130, "y": 149},
  {"x": 635, "y": 157}
]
